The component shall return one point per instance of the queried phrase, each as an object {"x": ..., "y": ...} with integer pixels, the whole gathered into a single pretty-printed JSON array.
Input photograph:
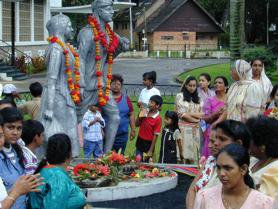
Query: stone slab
[{"x": 132, "y": 189}]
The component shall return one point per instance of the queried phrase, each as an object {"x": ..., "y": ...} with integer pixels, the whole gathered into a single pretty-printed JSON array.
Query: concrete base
[{"x": 132, "y": 189}]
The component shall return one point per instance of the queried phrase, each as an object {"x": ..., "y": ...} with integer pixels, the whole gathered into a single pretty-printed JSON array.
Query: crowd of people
[{"x": 222, "y": 130}]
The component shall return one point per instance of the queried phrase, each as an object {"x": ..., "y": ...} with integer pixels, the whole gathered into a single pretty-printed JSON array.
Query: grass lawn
[{"x": 220, "y": 69}]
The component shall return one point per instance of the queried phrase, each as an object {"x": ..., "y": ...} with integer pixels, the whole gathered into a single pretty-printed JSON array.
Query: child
[
  {"x": 149, "y": 79},
  {"x": 274, "y": 98},
  {"x": 92, "y": 124},
  {"x": 171, "y": 137},
  {"x": 32, "y": 135},
  {"x": 150, "y": 127}
]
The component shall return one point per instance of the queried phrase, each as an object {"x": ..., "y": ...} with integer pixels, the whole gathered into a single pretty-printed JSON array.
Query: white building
[{"x": 31, "y": 17}]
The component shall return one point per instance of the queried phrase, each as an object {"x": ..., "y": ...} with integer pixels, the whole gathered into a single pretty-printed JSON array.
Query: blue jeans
[{"x": 95, "y": 148}]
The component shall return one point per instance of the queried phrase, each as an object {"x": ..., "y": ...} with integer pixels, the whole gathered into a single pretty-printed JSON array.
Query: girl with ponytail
[
  {"x": 59, "y": 191},
  {"x": 237, "y": 189}
]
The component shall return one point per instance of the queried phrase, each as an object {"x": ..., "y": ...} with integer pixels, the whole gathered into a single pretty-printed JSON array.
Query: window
[
  {"x": 167, "y": 37},
  {"x": 38, "y": 21},
  {"x": 6, "y": 20},
  {"x": 124, "y": 26},
  {"x": 116, "y": 26},
  {"x": 24, "y": 21},
  {"x": 201, "y": 36},
  {"x": 185, "y": 36}
]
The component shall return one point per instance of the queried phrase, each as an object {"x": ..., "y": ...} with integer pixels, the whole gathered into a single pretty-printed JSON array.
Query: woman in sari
[
  {"x": 258, "y": 75},
  {"x": 189, "y": 109},
  {"x": 245, "y": 97},
  {"x": 264, "y": 146},
  {"x": 213, "y": 108}
]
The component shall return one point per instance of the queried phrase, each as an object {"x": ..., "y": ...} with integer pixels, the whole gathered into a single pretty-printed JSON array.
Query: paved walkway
[{"x": 132, "y": 70}]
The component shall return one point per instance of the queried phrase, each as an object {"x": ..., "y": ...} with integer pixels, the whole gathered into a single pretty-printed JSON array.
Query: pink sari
[{"x": 212, "y": 105}]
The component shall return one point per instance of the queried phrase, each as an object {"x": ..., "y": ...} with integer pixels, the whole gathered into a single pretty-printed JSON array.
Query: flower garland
[
  {"x": 74, "y": 87},
  {"x": 100, "y": 38}
]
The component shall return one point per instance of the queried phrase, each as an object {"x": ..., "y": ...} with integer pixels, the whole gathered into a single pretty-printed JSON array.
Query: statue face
[
  {"x": 106, "y": 13},
  {"x": 69, "y": 31}
]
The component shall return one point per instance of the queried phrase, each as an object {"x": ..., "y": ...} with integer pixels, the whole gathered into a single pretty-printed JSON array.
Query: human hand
[
  {"x": 26, "y": 184},
  {"x": 48, "y": 114},
  {"x": 132, "y": 134}
]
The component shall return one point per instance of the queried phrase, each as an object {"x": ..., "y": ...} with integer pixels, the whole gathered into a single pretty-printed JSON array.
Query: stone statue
[
  {"x": 103, "y": 13},
  {"x": 58, "y": 111}
]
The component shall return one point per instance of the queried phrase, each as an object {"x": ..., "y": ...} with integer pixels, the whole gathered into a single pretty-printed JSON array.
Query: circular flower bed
[{"x": 112, "y": 168}]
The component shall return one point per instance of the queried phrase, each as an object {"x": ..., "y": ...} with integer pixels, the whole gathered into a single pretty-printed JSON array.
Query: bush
[
  {"x": 21, "y": 64},
  {"x": 262, "y": 53},
  {"x": 38, "y": 64}
]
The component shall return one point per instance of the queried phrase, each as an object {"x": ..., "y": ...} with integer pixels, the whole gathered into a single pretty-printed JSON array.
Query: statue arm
[
  {"x": 123, "y": 45},
  {"x": 53, "y": 70},
  {"x": 84, "y": 39}
]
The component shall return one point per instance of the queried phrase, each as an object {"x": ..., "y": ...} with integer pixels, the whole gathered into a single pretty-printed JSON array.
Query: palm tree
[{"x": 237, "y": 31}]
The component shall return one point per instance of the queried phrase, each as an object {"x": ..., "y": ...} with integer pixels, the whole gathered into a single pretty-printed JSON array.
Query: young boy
[
  {"x": 149, "y": 127},
  {"x": 32, "y": 135},
  {"x": 32, "y": 108},
  {"x": 92, "y": 124}
]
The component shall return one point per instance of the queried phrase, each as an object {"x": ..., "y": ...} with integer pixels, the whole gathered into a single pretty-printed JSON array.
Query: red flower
[
  {"x": 98, "y": 73},
  {"x": 78, "y": 168},
  {"x": 65, "y": 52},
  {"x": 97, "y": 38},
  {"x": 76, "y": 72},
  {"x": 98, "y": 58},
  {"x": 54, "y": 39},
  {"x": 172, "y": 175},
  {"x": 138, "y": 158},
  {"x": 267, "y": 112},
  {"x": 110, "y": 61},
  {"x": 68, "y": 70},
  {"x": 106, "y": 98},
  {"x": 109, "y": 76}
]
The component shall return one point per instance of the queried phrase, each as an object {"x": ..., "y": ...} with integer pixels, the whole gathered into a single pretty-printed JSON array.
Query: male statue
[
  {"x": 102, "y": 14},
  {"x": 58, "y": 112}
]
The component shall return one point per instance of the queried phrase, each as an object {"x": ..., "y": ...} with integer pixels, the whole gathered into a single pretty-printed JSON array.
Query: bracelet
[{"x": 11, "y": 198}]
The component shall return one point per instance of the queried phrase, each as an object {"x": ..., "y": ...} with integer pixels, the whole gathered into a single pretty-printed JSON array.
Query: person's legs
[
  {"x": 88, "y": 148},
  {"x": 98, "y": 151}
]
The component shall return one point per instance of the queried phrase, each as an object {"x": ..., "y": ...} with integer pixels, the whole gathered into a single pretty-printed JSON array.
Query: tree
[{"x": 237, "y": 32}]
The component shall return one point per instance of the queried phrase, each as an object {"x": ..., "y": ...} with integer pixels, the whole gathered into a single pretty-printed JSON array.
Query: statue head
[
  {"x": 60, "y": 25},
  {"x": 104, "y": 9}
]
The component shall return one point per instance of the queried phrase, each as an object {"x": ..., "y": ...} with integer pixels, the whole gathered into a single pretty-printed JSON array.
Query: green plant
[
  {"x": 21, "y": 64},
  {"x": 38, "y": 64},
  {"x": 260, "y": 52}
]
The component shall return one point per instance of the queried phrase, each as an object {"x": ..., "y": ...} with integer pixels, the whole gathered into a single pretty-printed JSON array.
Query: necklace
[
  {"x": 100, "y": 39},
  {"x": 73, "y": 81},
  {"x": 235, "y": 204}
]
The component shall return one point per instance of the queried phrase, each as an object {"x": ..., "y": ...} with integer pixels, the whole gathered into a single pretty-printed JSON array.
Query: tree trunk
[{"x": 237, "y": 25}]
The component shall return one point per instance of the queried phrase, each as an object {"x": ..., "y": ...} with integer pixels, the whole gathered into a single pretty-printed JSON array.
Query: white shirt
[
  {"x": 146, "y": 94},
  {"x": 3, "y": 192}
]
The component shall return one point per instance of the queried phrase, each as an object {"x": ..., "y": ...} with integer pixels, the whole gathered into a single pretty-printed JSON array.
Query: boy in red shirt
[{"x": 149, "y": 127}]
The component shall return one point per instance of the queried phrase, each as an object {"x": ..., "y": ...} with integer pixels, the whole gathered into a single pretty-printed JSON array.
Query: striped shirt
[
  {"x": 94, "y": 132},
  {"x": 30, "y": 161}
]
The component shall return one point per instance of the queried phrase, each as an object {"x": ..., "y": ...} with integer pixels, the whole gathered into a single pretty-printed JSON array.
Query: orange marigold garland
[
  {"x": 100, "y": 38},
  {"x": 74, "y": 87}
]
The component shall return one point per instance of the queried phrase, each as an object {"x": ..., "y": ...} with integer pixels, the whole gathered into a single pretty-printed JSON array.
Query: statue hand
[
  {"x": 125, "y": 43},
  {"x": 48, "y": 114}
]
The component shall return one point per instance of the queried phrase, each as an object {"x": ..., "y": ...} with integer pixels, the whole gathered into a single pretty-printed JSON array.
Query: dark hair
[
  {"x": 9, "y": 98},
  {"x": 10, "y": 115},
  {"x": 273, "y": 92},
  {"x": 30, "y": 129},
  {"x": 6, "y": 101},
  {"x": 35, "y": 89},
  {"x": 157, "y": 99},
  {"x": 117, "y": 77},
  {"x": 225, "y": 80},
  {"x": 206, "y": 75},
  {"x": 186, "y": 95},
  {"x": 1, "y": 121},
  {"x": 241, "y": 156},
  {"x": 58, "y": 150},
  {"x": 175, "y": 119},
  {"x": 150, "y": 76},
  {"x": 264, "y": 131},
  {"x": 236, "y": 130},
  {"x": 256, "y": 59}
]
